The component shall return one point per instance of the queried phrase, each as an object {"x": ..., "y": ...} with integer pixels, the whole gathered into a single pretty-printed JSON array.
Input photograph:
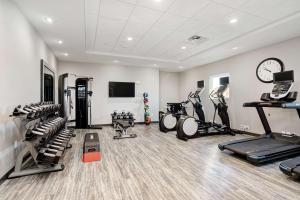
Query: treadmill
[
  {"x": 270, "y": 146},
  {"x": 291, "y": 167}
]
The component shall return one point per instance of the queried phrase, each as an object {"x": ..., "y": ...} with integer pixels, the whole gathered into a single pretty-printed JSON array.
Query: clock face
[{"x": 267, "y": 68}]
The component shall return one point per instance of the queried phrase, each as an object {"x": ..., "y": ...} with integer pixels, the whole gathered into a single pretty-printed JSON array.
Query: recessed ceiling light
[
  {"x": 235, "y": 48},
  {"x": 155, "y": 65},
  {"x": 66, "y": 54},
  {"x": 157, "y": 0},
  {"x": 129, "y": 38},
  {"x": 48, "y": 20},
  {"x": 116, "y": 61},
  {"x": 180, "y": 67},
  {"x": 233, "y": 21},
  {"x": 60, "y": 42},
  {"x": 183, "y": 47}
]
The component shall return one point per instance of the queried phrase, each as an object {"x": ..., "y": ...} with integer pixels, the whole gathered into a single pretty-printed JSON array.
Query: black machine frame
[
  {"x": 82, "y": 106},
  {"x": 207, "y": 128},
  {"x": 64, "y": 90}
]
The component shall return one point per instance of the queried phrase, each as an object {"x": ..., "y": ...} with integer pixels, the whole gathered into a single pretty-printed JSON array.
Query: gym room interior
[{"x": 149, "y": 99}]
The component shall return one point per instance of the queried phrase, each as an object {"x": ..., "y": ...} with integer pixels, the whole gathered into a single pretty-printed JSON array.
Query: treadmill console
[{"x": 283, "y": 83}]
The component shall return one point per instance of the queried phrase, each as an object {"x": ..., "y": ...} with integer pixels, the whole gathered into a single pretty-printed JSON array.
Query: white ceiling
[{"x": 97, "y": 30}]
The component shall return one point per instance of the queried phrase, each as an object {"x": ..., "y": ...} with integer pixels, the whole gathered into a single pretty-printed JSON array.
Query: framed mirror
[{"x": 47, "y": 82}]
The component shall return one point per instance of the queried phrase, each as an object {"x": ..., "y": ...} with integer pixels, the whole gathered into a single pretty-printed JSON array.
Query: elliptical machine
[
  {"x": 217, "y": 98},
  {"x": 168, "y": 120},
  {"x": 188, "y": 127}
]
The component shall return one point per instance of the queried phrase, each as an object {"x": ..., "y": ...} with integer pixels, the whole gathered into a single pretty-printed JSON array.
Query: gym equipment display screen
[
  {"x": 121, "y": 89},
  {"x": 284, "y": 76}
]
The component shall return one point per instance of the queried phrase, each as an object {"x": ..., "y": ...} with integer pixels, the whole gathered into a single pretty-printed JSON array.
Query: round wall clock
[{"x": 267, "y": 68}]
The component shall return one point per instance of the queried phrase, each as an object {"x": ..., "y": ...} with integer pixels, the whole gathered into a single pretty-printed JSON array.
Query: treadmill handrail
[
  {"x": 274, "y": 104},
  {"x": 292, "y": 106}
]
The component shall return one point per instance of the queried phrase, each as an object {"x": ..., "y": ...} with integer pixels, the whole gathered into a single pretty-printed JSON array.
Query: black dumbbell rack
[{"x": 44, "y": 136}]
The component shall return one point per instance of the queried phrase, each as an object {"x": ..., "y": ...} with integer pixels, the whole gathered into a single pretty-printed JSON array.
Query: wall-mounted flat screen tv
[{"x": 121, "y": 89}]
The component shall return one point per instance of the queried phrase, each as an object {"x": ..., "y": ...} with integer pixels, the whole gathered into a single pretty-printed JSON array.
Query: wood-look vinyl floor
[{"x": 154, "y": 166}]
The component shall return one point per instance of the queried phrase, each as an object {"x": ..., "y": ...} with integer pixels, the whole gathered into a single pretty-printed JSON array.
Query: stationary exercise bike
[
  {"x": 188, "y": 127},
  {"x": 168, "y": 120}
]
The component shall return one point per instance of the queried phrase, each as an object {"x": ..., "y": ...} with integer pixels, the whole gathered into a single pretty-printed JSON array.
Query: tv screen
[
  {"x": 121, "y": 89},
  {"x": 284, "y": 76},
  {"x": 224, "y": 81},
  {"x": 200, "y": 84}
]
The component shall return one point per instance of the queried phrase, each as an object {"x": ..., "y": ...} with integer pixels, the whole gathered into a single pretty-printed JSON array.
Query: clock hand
[{"x": 267, "y": 70}]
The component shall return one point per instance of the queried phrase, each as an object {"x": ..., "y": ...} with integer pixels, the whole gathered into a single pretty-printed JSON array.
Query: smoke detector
[{"x": 196, "y": 39}]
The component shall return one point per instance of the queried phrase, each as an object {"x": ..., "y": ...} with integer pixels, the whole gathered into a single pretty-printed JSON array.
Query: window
[{"x": 215, "y": 82}]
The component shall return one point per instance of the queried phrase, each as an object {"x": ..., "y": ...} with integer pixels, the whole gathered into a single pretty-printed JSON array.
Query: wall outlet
[
  {"x": 247, "y": 127},
  {"x": 244, "y": 127},
  {"x": 288, "y": 133}
]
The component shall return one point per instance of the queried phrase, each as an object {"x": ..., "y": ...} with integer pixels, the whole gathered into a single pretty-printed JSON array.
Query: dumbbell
[
  {"x": 19, "y": 111},
  {"x": 47, "y": 128},
  {"x": 131, "y": 116},
  {"x": 50, "y": 156},
  {"x": 66, "y": 133},
  {"x": 114, "y": 115},
  {"x": 53, "y": 146},
  {"x": 35, "y": 112},
  {"x": 57, "y": 143}
]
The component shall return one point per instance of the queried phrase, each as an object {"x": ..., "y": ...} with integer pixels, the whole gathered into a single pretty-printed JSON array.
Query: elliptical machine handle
[{"x": 185, "y": 102}]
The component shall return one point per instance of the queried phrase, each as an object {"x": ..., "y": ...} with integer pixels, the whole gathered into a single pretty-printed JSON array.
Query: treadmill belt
[
  {"x": 262, "y": 144},
  {"x": 297, "y": 170},
  {"x": 263, "y": 149}
]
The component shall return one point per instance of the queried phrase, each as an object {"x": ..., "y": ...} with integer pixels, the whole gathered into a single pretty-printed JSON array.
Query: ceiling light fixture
[
  {"x": 48, "y": 20},
  {"x": 66, "y": 54},
  {"x": 180, "y": 67},
  {"x": 129, "y": 38},
  {"x": 235, "y": 48},
  {"x": 157, "y": 0},
  {"x": 233, "y": 21},
  {"x": 116, "y": 61},
  {"x": 155, "y": 65},
  {"x": 60, "y": 42},
  {"x": 183, "y": 47}
]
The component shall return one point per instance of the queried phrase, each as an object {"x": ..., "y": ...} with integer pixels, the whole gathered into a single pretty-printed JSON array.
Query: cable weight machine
[{"x": 78, "y": 90}]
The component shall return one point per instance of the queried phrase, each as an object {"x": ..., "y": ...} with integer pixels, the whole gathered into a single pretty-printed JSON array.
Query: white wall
[
  {"x": 20, "y": 52},
  {"x": 147, "y": 80},
  {"x": 168, "y": 89},
  {"x": 245, "y": 87}
]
